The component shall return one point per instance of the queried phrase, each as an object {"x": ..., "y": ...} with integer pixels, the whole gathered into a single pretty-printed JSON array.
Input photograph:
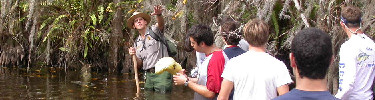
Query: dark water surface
[{"x": 52, "y": 83}]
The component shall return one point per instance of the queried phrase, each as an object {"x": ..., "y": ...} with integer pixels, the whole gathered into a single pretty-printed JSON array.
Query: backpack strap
[{"x": 157, "y": 37}]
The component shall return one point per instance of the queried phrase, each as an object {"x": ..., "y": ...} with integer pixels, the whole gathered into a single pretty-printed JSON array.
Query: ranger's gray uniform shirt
[{"x": 149, "y": 50}]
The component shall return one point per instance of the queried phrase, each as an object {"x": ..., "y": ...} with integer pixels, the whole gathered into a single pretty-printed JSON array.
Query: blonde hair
[{"x": 256, "y": 32}]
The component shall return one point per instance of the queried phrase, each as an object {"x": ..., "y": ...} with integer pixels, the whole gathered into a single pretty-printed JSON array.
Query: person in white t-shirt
[
  {"x": 207, "y": 84},
  {"x": 199, "y": 56},
  {"x": 255, "y": 75},
  {"x": 357, "y": 58}
]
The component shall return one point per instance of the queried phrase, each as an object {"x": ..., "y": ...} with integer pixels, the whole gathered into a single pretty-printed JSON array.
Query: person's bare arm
[
  {"x": 283, "y": 89},
  {"x": 158, "y": 10},
  {"x": 195, "y": 80},
  {"x": 181, "y": 78},
  {"x": 200, "y": 89},
  {"x": 226, "y": 89}
]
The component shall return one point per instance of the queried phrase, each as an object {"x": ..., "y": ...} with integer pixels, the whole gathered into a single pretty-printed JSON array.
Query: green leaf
[
  {"x": 97, "y": 37},
  {"x": 85, "y": 52},
  {"x": 85, "y": 34},
  {"x": 58, "y": 19},
  {"x": 93, "y": 18},
  {"x": 139, "y": 1},
  {"x": 49, "y": 32},
  {"x": 22, "y": 19},
  {"x": 24, "y": 6},
  {"x": 101, "y": 13},
  {"x": 109, "y": 7},
  {"x": 72, "y": 23},
  {"x": 42, "y": 26},
  {"x": 171, "y": 7},
  {"x": 45, "y": 38},
  {"x": 275, "y": 23},
  {"x": 92, "y": 27},
  {"x": 63, "y": 49},
  {"x": 92, "y": 36}
]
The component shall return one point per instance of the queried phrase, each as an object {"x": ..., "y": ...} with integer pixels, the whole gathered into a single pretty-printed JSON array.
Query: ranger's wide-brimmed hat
[{"x": 135, "y": 15}]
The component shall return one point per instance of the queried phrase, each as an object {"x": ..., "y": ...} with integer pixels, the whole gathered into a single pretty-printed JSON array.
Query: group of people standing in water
[{"x": 245, "y": 71}]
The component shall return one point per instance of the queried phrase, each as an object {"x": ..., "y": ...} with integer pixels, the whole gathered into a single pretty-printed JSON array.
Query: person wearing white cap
[{"x": 149, "y": 50}]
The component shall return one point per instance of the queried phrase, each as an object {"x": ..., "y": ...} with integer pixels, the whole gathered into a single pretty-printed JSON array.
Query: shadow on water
[{"x": 55, "y": 83}]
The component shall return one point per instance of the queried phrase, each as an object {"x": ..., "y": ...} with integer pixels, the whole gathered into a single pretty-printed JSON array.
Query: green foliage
[
  {"x": 191, "y": 20},
  {"x": 275, "y": 18},
  {"x": 64, "y": 49},
  {"x": 76, "y": 29},
  {"x": 247, "y": 14},
  {"x": 277, "y": 37},
  {"x": 85, "y": 52},
  {"x": 314, "y": 11},
  {"x": 275, "y": 24},
  {"x": 171, "y": 7},
  {"x": 24, "y": 6},
  {"x": 101, "y": 13},
  {"x": 55, "y": 26},
  {"x": 139, "y": 1},
  {"x": 81, "y": 26},
  {"x": 93, "y": 18},
  {"x": 44, "y": 23}
]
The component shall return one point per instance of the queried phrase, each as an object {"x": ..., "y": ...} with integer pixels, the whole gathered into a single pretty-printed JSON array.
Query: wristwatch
[{"x": 186, "y": 82}]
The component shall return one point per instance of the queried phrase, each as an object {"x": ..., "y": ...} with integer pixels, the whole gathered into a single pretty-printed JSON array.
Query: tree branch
[
  {"x": 302, "y": 15},
  {"x": 372, "y": 21}
]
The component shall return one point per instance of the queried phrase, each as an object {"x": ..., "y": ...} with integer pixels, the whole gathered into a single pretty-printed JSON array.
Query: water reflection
[{"x": 54, "y": 83}]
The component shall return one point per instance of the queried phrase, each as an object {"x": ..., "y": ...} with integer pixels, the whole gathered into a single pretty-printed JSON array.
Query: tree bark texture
[{"x": 116, "y": 36}]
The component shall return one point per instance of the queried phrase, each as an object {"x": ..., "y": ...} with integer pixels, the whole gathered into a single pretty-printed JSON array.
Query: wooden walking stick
[
  {"x": 136, "y": 74},
  {"x": 135, "y": 64}
]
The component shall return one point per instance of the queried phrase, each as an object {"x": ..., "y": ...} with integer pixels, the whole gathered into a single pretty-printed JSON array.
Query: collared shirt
[{"x": 149, "y": 50}]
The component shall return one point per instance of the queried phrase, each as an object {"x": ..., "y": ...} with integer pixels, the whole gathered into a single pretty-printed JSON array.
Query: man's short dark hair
[
  {"x": 187, "y": 44},
  {"x": 201, "y": 33},
  {"x": 351, "y": 15},
  {"x": 231, "y": 32},
  {"x": 312, "y": 49}
]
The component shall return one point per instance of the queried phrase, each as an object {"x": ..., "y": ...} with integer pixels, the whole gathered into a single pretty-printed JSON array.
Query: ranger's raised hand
[{"x": 158, "y": 10}]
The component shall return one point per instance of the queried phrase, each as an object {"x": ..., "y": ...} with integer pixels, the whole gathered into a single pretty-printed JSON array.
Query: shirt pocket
[
  {"x": 152, "y": 46},
  {"x": 140, "y": 50}
]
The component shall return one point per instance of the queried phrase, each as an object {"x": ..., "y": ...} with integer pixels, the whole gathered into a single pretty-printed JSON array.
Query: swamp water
[{"x": 55, "y": 83}]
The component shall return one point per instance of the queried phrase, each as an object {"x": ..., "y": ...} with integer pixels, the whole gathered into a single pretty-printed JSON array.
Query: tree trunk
[
  {"x": 115, "y": 37},
  {"x": 32, "y": 18},
  {"x": 5, "y": 7}
]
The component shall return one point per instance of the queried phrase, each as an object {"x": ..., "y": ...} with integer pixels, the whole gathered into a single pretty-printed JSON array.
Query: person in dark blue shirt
[
  {"x": 231, "y": 33},
  {"x": 310, "y": 58}
]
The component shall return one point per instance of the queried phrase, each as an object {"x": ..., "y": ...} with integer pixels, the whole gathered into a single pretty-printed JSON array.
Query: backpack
[{"x": 171, "y": 47}]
